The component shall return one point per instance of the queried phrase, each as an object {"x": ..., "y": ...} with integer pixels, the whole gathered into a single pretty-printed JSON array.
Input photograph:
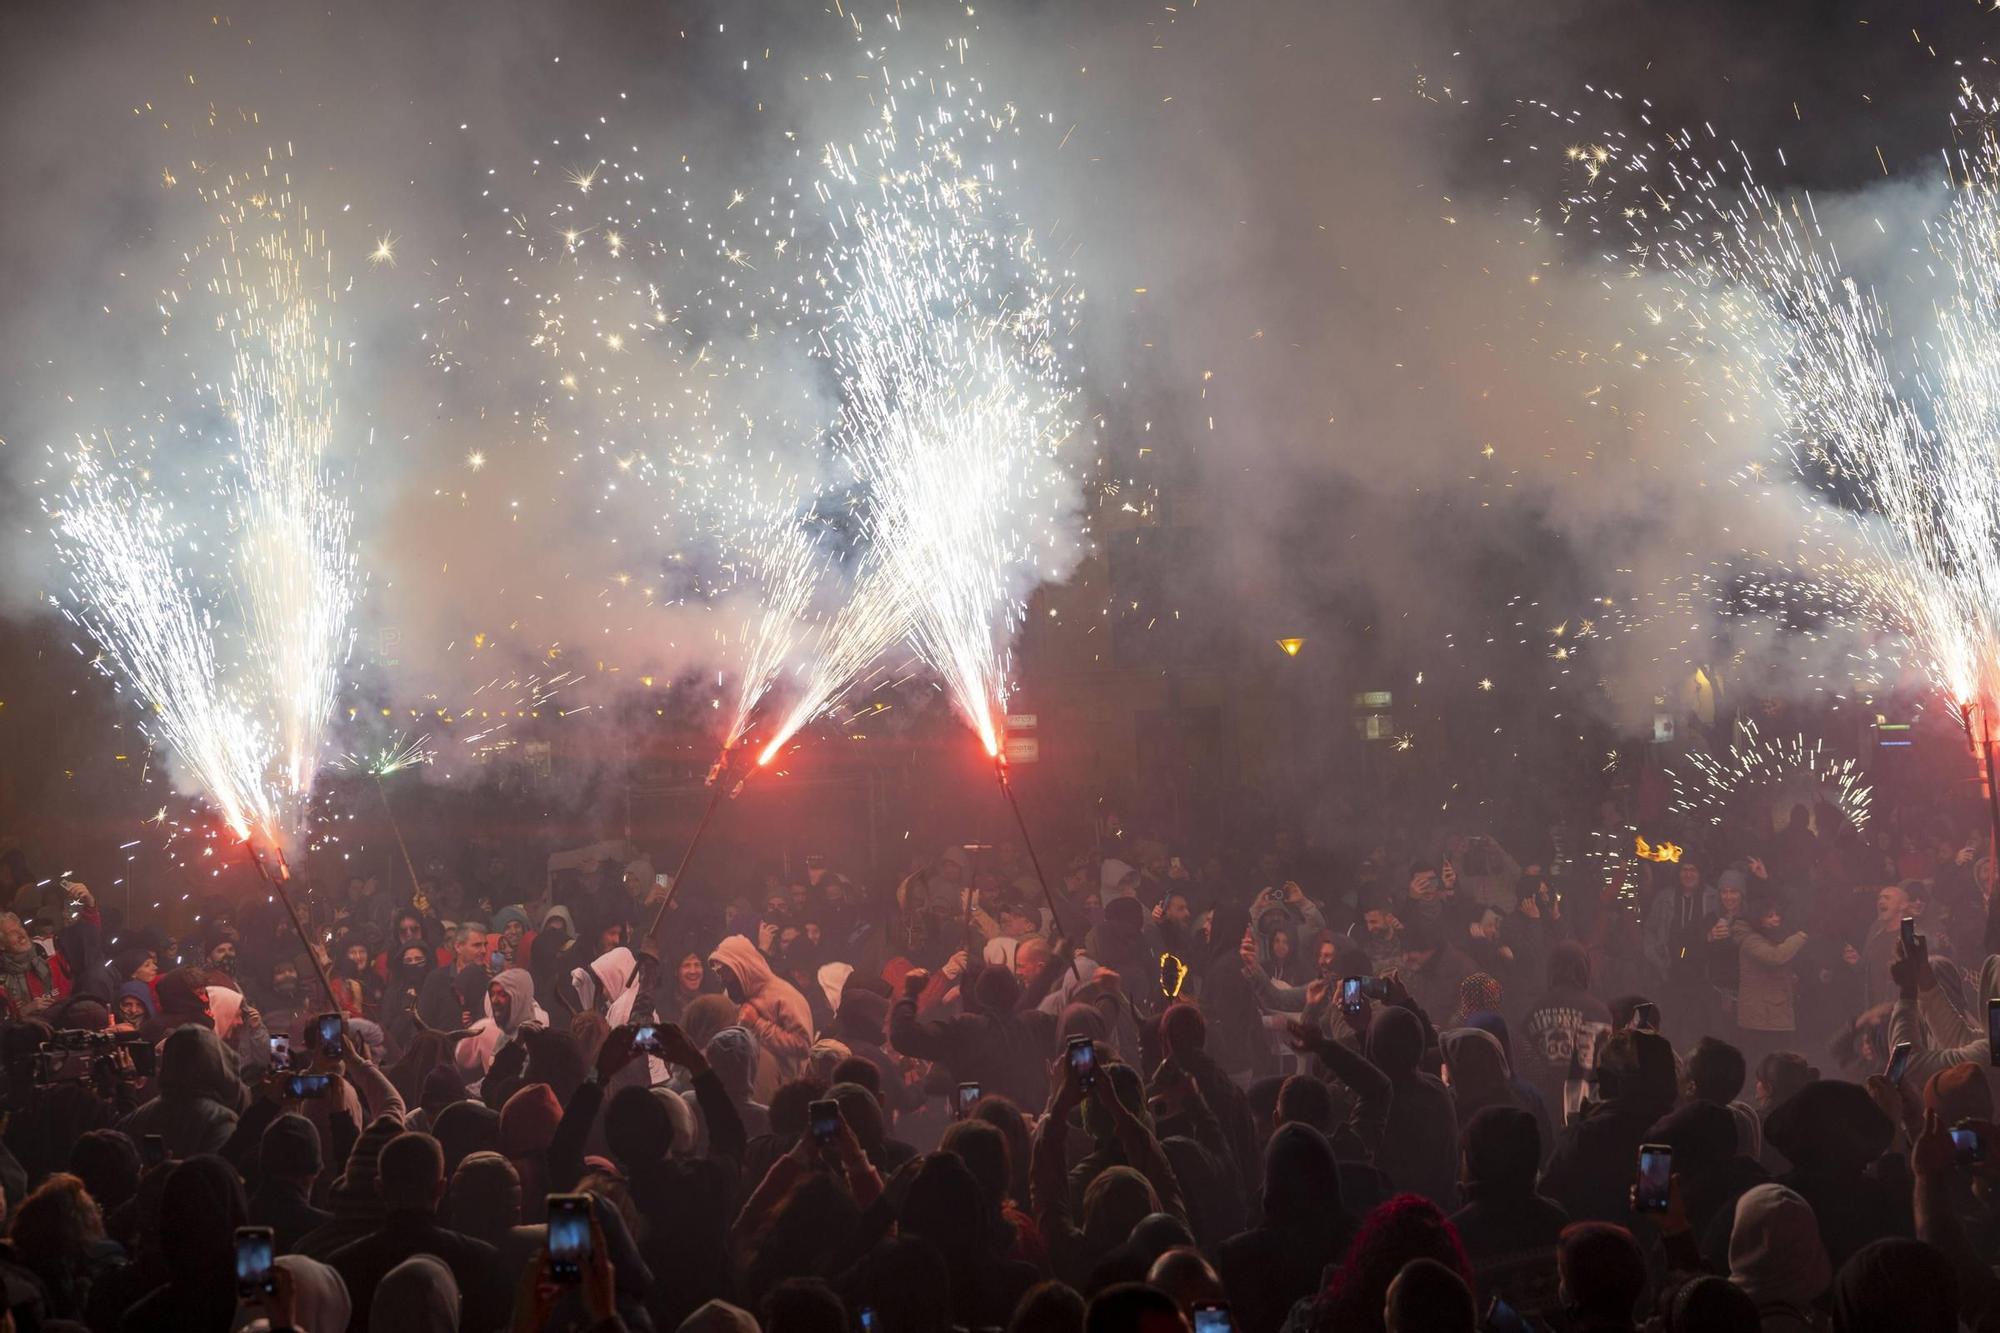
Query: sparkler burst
[
  {"x": 1892, "y": 435},
  {"x": 1717, "y": 784},
  {"x": 229, "y": 617},
  {"x": 400, "y": 753},
  {"x": 956, "y": 401}
]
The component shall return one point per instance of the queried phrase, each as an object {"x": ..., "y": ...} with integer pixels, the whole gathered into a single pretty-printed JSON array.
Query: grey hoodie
[{"x": 199, "y": 1095}]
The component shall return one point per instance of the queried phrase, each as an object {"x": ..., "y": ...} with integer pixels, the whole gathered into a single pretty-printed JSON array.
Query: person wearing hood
[
  {"x": 510, "y": 1002},
  {"x": 1420, "y": 1143},
  {"x": 688, "y": 982},
  {"x": 732, "y": 1053},
  {"x": 770, "y": 1007},
  {"x": 1510, "y": 1232},
  {"x": 989, "y": 1044},
  {"x": 1832, "y": 1133},
  {"x": 1776, "y": 1257},
  {"x": 410, "y": 966},
  {"x": 1305, "y": 1228},
  {"x": 1118, "y": 942},
  {"x": 1906, "y": 1285},
  {"x": 1475, "y": 1068},
  {"x": 135, "y": 1003},
  {"x": 201, "y": 1205},
  {"x": 311, "y": 1298},
  {"x": 1184, "y": 1042},
  {"x": 1526, "y": 1095},
  {"x": 511, "y": 937},
  {"x": 1590, "y": 1172},
  {"x": 555, "y": 950},
  {"x": 599, "y": 987},
  {"x": 199, "y": 1096}
]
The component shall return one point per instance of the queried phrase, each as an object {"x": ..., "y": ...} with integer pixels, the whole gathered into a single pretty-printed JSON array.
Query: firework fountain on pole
[
  {"x": 1892, "y": 438},
  {"x": 230, "y": 628},
  {"x": 957, "y": 401}
]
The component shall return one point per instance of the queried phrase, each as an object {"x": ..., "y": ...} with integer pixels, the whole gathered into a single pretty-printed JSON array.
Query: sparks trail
[
  {"x": 956, "y": 401},
  {"x": 228, "y": 617}
]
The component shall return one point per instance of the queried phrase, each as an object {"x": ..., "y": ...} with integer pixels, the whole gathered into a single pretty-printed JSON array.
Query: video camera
[{"x": 71, "y": 1056}]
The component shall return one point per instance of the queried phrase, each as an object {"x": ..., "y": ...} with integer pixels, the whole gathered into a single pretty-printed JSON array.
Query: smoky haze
[{"x": 1303, "y": 228}]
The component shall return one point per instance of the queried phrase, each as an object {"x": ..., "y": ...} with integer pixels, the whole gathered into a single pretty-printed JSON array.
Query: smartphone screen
[
  {"x": 1656, "y": 1169},
  {"x": 569, "y": 1236},
  {"x": 254, "y": 1262},
  {"x": 1211, "y": 1317},
  {"x": 152, "y": 1149},
  {"x": 327, "y": 1030},
  {"x": 308, "y": 1085},
  {"x": 1646, "y": 1017},
  {"x": 646, "y": 1039},
  {"x": 968, "y": 1097},
  {"x": 1351, "y": 994},
  {"x": 496, "y": 961},
  {"x": 1899, "y": 1059},
  {"x": 281, "y": 1051},
  {"x": 1909, "y": 933},
  {"x": 1971, "y": 1149},
  {"x": 1083, "y": 1061},
  {"x": 824, "y": 1116}
]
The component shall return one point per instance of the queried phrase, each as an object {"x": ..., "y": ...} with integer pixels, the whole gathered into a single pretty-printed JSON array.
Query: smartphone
[
  {"x": 1211, "y": 1317},
  {"x": 1899, "y": 1059},
  {"x": 1646, "y": 1017},
  {"x": 1970, "y": 1146},
  {"x": 496, "y": 961},
  {"x": 966, "y": 1098},
  {"x": 325, "y": 1033},
  {"x": 1656, "y": 1171},
  {"x": 1504, "y": 1318},
  {"x": 569, "y": 1236},
  {"x": 1992, "y": 1031},
  {"x": 1352, "y": 998},
  {"x": 868, "y": 1324},
  {"x": 152, "y": 1150},
  {"x": 281, "y": 1051},
  {"x": 255, "y": 1262},
  {"x": 308, "y": 1085},
  {"x": 824, "y": 1117},
  {"x": 646, "y": 1039},
  {"x": 1083, "y": 1062},
  {"x": 1909, "y": 934}
]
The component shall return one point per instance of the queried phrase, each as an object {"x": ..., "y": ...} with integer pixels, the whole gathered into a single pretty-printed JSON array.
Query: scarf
[{"x": 15, "y": 968}]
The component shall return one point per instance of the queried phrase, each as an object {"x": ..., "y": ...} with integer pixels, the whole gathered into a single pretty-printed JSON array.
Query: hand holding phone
[
  {"x": 302, "y": 1086},
  {"x": 826, "y": 1123},
  {"x": 1653, "y": 1192},
  {"x": 569, "y": 1236},
  {"x": 1909, "y": 935},
  {"x": 1082, "y": 1056},
  {"x": 1212, "y": 1317},
  {"x": 964, "y": 1100},
  {"x": 256, "y": 1262},
  {"x": 1899, "y": 1059}
]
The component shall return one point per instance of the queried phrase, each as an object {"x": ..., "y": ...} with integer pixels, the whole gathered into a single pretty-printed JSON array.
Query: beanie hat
[
  {"x": 290, "y": 1147},
  {"x": 1112, "y": 873}
]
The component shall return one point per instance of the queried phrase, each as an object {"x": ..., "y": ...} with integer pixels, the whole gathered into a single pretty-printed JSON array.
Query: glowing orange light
[{"x": 1290, "y": 647}]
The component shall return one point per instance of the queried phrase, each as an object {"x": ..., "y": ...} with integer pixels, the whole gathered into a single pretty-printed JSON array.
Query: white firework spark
[{"x": 1718, "y": 783}]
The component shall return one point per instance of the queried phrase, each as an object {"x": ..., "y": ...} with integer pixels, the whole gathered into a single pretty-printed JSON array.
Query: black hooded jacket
[
  {"x": 989, "y": 1044},
  {"x": 1269, "y": 1267}
]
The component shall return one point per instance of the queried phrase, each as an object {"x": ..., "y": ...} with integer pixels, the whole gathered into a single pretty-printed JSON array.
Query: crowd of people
[{"x": 1434, "y": 1088}]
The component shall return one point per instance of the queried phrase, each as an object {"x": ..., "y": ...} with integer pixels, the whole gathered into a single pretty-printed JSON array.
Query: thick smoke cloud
[{"x": 1302, "y": 229}]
